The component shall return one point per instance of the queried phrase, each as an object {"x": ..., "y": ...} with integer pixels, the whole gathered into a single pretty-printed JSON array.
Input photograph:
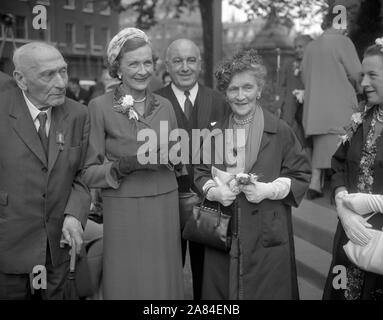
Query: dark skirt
[
  {"x": 142, "y": 248},
  {"x": 360, "y": 285}
]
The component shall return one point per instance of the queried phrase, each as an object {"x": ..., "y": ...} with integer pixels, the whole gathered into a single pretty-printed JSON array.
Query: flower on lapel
[
  {"x": 127, "y": 101},
  {"x": 125, "y": 106},
  {"x": 60, "y": 140},
  {"x": 379, "y": 42},
  {"x": 356, "y": 120}
]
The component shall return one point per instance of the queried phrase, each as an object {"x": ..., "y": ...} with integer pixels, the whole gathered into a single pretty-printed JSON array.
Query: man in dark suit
[
  {"x": 196, "y": 107},
  {"x": 43, "y": 202}
]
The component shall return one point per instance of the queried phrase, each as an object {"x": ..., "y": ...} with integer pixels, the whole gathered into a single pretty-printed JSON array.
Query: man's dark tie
[
  {"x": 188, "y": 106},
  {"x": 42, "y": 116}
]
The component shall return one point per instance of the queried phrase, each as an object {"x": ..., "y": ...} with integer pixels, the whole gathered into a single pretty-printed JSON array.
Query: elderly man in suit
[
  {"x": 196, "y": 107},
  {"x": 43, "y": 202}
]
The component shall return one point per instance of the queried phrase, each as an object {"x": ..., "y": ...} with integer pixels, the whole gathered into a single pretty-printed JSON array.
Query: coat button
[
  {"x": 255, "y": 211},
  {"x": 45, "y": 170},
  {"x": 44, "y": 195}
]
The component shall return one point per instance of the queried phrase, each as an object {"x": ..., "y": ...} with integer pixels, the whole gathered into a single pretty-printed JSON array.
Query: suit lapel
[
  {"x": 58, "y": 126},
  {"x": 24, "y": 126},
  {"x": 203, "y": 107}
]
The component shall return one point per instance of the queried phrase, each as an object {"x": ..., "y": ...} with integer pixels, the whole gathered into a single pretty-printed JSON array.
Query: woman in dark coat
[
  {"x": 266, "y": 265},
  {"x": 358, "y": 169}
]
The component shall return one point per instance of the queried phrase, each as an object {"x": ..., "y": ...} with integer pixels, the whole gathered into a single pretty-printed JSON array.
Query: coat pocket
[{"x": 274, "y": 228}]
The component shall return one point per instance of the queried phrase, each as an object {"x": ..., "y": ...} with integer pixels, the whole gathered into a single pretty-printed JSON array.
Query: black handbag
[
  {"x": 209, "y": 227},
  {"x": 187, "y": 200}
]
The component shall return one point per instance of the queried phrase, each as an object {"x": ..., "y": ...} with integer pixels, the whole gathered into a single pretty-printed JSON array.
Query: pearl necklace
[
  {"x": 141, "y": 100},
  {"x": 243, "y": 122}
]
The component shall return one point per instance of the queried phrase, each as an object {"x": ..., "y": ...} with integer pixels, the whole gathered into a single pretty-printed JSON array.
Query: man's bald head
[
  {"x": 41, "y": 72},
  {"x": 181, "y": 44},
  {"x": 183, "y": 62}
]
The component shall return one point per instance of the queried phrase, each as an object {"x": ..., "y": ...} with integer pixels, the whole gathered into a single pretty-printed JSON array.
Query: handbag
[
  {"x": 369, "y": 257},
  {"x": 187, "y": 200},
  {"x": 209, "y": 227}
]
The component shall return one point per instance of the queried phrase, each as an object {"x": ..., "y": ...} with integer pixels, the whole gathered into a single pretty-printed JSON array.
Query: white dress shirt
[
  {"x": 35, "y": 112},
  {"x": 180, "y": 95}
]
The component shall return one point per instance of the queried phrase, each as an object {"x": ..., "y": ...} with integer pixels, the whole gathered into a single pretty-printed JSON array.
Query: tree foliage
[{"x": 284, "y": 11}]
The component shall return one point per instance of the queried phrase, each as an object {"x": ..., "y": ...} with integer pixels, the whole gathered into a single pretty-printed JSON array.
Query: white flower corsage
[
  {"x": 379, "y": 42},
  {"x": 126, "y": 107},
  {"x": 356, "y": 120}
]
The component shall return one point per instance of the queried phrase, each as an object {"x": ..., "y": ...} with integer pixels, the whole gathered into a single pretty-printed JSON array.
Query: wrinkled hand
[
  {"x": 222, "y": 194},
  {"x": 72, "y": 230},
  {"x": 354, "y": 225},
  {"x": 257, "y": 191}
]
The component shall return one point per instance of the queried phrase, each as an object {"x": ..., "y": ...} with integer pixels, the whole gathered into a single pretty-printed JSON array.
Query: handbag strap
[{"x": 219, "y": 210}]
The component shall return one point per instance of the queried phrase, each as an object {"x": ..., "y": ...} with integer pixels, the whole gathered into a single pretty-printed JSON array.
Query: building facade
[{"x": 80, "y": 29}]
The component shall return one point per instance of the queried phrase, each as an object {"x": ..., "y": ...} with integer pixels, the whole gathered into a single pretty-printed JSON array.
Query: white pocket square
[{"x": 213, "y": 123}]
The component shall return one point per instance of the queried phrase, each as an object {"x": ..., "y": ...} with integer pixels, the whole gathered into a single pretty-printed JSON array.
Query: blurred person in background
[
  {"x": 77, "y": 93},
  {"x": 330, "y": 72},
  {"x": 291, "y": 95}
]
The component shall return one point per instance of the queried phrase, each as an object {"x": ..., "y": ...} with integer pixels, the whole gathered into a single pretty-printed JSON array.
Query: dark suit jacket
[
  {"x": 6, "y": 82},
  {"x": 35, "y": 194},
  {"x": 209, "y": 106}
]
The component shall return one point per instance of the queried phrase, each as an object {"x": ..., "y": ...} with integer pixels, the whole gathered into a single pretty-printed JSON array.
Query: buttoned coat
[
  {"x": 268, "y": 268},
  {"x": 35, "y": 194}
]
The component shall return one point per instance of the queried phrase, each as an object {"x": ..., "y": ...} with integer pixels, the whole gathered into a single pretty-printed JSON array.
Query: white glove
[
  {"x": 222, "y": 194},
  {"x": 258, "y": 191},
  {"x": 363, "y": 203},
  {"x": 354, "y": 225},
  {"x": 299, "y": 95}
]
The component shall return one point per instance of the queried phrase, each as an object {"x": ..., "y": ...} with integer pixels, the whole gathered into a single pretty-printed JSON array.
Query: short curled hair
[
  {"x": 244, "y": 60},
  {"x": 373, "y": 50},
  {"x": 129, "y": 45}
]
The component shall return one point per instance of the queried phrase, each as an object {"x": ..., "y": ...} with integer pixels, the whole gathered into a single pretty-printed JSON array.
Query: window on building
[
  {"x": 70, "y": 33},
  {"x": 105, "y": 10},
  {"x": 105, "y": 36},
  {"x": 88, "y": 5},
  {"x": 44, "y": 2},
  {"x": 69, "y": 4},
  {"x": 21, "y": 27},
  {"x": 89, "y": 34}
]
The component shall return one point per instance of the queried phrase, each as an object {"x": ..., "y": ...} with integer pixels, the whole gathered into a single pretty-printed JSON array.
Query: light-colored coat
[{"x": 331, "y": 71}]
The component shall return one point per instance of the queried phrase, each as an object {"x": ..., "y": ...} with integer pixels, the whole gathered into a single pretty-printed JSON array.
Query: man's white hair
[{"x": 23, "y": 54}]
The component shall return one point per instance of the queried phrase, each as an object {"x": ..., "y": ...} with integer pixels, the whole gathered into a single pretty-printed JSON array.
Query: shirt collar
[
  {"x": 180, "y": 93},
  {"x": 34, "y": 111}
]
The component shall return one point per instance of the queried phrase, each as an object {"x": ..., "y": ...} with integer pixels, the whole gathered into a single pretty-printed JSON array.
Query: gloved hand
[
  {"x": 354, "y": 225},
  {"x": 222, "y": 194},
  {"x": 363, "y": 203},
  {"x": 128, "y": 164},
  {"x": 258, "y": 191}
]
